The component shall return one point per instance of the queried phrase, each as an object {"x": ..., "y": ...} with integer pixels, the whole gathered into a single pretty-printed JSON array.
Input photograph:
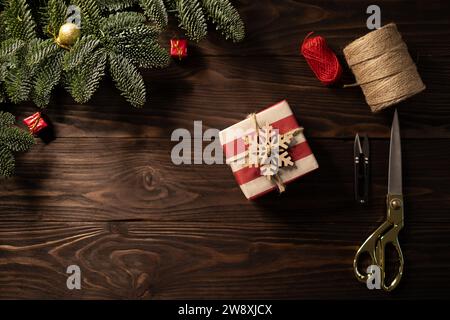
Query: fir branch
[
  {"x": 55, "y": 16},
  {"x": 133, "y": 34},
  {"x": 18, "y": 83},
  {"x": 15, "y": 139},
  {"x": 6, "y": 119},
  {"x": 115, "y": 5},
  {"x": 3, "y": 73},
  {"x": 2, "y": 94},
  {"x": 12, "y": 139},
  {"x": 192, "y": 19},
  {"x": 90, "y": 16},
  {"x": 147, "y": 54},
  {"x": 121, "y": 20},
  {"x": 7, "y": 163},
  {"x": 83, "y": 82},
  {"x": 155, "y": 11},
  {"x": 128, "y": 80},
  {"x": 38, "y": 11},
  {"x": 18, "y": 20},
  {"x": 139, "y": 45},
  {"x": 9, "y": 48},
  {"x": 3, "y": 35},
  {"x": 82, "y": 49},
  {"x": 40, "y": 51},
  {"x": 47, "y": 77},
  {"x": 226, "y": 17},
  {"x": 123, "y": 38},
  {"x": 19, "y": 75}
]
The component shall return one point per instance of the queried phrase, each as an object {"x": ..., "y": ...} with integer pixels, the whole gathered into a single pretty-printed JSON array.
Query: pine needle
[
  {"x": 12, "y": 139},
  {"x": 128, "y": 80}
]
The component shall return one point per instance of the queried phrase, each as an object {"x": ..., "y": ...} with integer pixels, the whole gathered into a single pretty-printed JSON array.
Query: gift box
[
  {"x": 178, "y": 48},
  {"x": 278, "y": 125},
  {"x": 35, "y": 123}
]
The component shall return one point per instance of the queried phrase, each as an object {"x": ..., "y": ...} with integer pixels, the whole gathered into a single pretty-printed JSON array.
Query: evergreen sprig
[
  {"x": 138, "y": 44},
  {"x": 2, "y": 93},
  {"x": 113, "y": 37},
  {"x": 127, "y": 36},
  {"x": 54, "y": 17},
  {"x": 47, "y": 78},
  {"x": 82, "y": 83},
  {"x": 192, "y": 18},
  {"x": 40, "y": 50},
  {"x": 18, "y": 21},
  {"x": 12, "y": 139},
  {"x": 156, "y": 12},
  {"x": 115, "y": 5},
  {"x": 90, "y": 15},
  {"x": 26, "y": 69},
  {"x": 82, "y": 49},
  {"x": 128, "y": 79},
  {"x": 120, "y": 21},
  {"x": 191, "y": 14},
  {"x": 31, "y": 67},
  {"x": 226, "y": 17},
  {"x": 18, "y": 79},
  {"x": 9, "y": 47}
]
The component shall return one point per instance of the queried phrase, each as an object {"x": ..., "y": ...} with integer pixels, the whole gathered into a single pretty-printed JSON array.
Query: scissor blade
[
  {"x": 395, "y": 159},
  {"x": 357, "y": 146},
  {"x": 366, "y": 147}
]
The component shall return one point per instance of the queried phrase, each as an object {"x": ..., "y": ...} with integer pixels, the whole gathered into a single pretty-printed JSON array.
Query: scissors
[
  {"x": 388, "y": 232},
  {"x": 361, "y": 160}
]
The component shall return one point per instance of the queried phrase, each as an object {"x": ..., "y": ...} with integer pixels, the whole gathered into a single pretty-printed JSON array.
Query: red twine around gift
[{"x": 321, "y": 59}]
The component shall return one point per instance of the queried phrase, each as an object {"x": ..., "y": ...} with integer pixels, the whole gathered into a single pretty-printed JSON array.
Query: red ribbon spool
[{"x": 321, "y": 59}]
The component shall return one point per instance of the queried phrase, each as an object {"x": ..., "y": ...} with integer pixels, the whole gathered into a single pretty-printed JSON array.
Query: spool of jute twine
[{"x": 383, "y": 68}]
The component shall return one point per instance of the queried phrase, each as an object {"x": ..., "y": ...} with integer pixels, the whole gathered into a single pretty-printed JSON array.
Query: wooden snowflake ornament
[{"x": 268, "y": 150}]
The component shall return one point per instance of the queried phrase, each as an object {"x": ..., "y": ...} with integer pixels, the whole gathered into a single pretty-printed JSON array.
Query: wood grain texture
[
  {"x": 135, "y": 179},
  {"x": 169, "y": 260},
  {"x": 105, "y": 195}
]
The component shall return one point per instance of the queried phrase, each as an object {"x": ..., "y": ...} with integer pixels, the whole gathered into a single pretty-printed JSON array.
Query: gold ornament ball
[{"x": 68, "y": 34}]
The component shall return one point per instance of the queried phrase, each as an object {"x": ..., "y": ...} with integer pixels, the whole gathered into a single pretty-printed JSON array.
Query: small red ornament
[
  {"x": 321, "y": 59},
  {"x": 178, "y": 48},
  {"x": 35, "y": 123}
]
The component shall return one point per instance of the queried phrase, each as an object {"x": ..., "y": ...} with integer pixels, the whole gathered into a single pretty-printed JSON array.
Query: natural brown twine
[{"x": 383, "y": 68}]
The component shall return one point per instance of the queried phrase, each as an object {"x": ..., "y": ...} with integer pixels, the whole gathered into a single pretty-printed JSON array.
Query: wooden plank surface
[
  {"x": 106, "y": 196},
  {"x": 202, "y": 260},
  {"x": 134, "y": 179}
]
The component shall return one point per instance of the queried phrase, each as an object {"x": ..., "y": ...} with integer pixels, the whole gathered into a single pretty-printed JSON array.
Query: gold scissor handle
[
  {"x": 395, "y": 216},
  {"x": 375, "y": 245},
  {"x": 369, "y": 246},
  {"x": 390, "y": 237}
]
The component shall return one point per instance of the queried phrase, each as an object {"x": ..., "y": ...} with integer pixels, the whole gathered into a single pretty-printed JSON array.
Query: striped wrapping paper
[{"x": 280, "y": 117}]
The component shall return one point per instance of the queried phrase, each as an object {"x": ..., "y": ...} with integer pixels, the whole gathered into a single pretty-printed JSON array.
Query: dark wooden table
[{"x": 105, "y": 195}]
